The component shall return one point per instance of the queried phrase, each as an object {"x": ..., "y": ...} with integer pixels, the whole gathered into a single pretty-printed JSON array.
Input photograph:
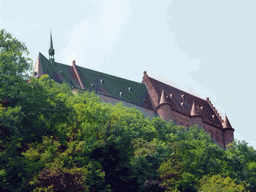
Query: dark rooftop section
[
  {"x": 59, "y": 72},
  {"x": 182, "y": 102},
  {"x": 116, "y": 87}
]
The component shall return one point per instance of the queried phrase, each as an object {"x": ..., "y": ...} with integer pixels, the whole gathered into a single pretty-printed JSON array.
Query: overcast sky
[{"x": 206, "y": 48}]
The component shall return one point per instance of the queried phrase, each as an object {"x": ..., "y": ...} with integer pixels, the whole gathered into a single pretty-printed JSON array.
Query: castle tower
[
  {"x": 196, "y": 118},
  {"x": 51, "y": 50},
  {"x": 228, "y": 131},
  {"x": 164, "y": 109}
]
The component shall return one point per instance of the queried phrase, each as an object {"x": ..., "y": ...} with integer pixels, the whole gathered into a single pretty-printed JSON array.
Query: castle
[{"x": 152, "y": 97}]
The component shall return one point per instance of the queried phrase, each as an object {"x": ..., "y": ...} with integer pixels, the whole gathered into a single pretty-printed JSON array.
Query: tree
[
  {"x": 13, "y": 63},
  {"x": 241, "y": 163},
  {"x": 219, "y": 183},
  {"x": 14, "y": 66}
]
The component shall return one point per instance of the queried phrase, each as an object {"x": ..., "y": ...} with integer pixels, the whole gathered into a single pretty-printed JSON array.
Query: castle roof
[
  {"x": 182, "y": 102},
  {"x": 104, "y": 84}
]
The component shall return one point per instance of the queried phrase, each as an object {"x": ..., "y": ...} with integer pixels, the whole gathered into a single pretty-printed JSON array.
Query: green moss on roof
[
  {"x": 112, "y": 86},
  {"x": 59, "y": 72}
]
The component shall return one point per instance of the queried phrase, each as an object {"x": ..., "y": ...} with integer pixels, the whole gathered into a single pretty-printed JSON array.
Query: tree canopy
[
  {"x": 54, "y": 140},
  {"x": 12, "y": 56}
]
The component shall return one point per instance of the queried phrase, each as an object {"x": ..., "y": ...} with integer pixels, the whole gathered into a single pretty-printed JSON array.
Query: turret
[
  {"x": 164, "y": 109},
  {"x": 228, "y": 131},
  {"x": 196, "y": 118},
  {"x": 51, "y": 50}
]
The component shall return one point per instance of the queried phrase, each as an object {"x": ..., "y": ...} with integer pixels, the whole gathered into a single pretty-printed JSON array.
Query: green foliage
[
  {"x": 13, "y": 63},
  {"x": 241, "y": 163},
  {"x": 172, "y": 168},
  {"x": 200, "y": 154},
  {"x": 62, "y": 180},
  {"x": 165, "y": 129},
  {"x": 219, "y": 183},
  {"x": 48, "y": 135},
  {"x": 35, "y": 114}
]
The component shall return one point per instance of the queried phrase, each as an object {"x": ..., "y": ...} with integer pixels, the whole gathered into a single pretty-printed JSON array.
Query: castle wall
[
  {"x": 216, "y": 134},
  {"x": 181, "y": 119},
  {"x": 165, "y": 112},
  {"x": 146, "y": 112},
  {"x": 229, "y": 136}
]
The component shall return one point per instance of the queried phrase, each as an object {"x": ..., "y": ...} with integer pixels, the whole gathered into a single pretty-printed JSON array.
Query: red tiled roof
[{"x": 182, "y": 102}]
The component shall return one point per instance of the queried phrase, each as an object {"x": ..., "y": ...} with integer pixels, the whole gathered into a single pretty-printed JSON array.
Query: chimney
[{"x": 73, "y": 63}]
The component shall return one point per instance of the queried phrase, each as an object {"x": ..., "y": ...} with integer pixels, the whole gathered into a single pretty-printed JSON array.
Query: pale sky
[{"x": 203, "y": 47}]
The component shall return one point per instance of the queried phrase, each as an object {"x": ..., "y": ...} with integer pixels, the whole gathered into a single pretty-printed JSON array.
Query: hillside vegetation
[{"x": 54, "y": 140}]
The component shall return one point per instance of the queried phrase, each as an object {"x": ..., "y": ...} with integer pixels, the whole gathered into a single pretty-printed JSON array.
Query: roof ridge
[
  {"x": 177, "y": 88},
  {"x": 108, "y": 74}
]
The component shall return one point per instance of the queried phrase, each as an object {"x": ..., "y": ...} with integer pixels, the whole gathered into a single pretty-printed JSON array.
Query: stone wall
[
  {"x": 217, "y": 134},
  {"x": 229, "y": 135},
  {"x": 146, "y": 112},
  {"x": 165, "y": 112}
]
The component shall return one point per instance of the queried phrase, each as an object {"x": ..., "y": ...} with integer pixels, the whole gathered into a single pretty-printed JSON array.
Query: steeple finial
[{"x": 51, "y": 50}]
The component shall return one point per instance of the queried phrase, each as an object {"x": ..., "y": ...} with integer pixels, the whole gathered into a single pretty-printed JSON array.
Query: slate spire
[{"x": 51, "y": 50}]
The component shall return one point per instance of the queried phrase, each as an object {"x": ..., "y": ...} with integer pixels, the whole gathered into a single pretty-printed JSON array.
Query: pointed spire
[
  {"x": 193, "y": 110},
  {"x": 226, "y": 123},
  {"x": 51, "y": 44},
  {"x": 163, "y": 98},
  {"x": 51, "y": 50}
]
